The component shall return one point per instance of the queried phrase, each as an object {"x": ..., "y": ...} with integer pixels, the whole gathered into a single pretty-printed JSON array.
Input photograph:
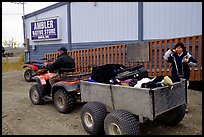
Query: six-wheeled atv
[
  {"x": 62, "y": 87},
  {"x": 33, "y": 67}
]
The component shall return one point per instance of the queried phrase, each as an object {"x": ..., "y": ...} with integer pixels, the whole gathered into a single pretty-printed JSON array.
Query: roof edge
[{"x": 45, "y": 9}]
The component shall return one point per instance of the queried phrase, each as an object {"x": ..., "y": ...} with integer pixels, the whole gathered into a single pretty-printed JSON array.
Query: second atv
[{"x": 33, "y": 67}]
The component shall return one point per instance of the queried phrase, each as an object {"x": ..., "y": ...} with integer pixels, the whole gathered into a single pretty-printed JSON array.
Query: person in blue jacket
[{"x": 181, "y": 61}]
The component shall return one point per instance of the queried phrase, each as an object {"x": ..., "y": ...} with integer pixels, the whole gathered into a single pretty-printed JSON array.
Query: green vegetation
[{"x": 8, "y": 66}]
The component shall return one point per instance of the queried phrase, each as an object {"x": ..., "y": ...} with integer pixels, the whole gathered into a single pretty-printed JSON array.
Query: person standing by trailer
[{"x": 181, "y": 61}]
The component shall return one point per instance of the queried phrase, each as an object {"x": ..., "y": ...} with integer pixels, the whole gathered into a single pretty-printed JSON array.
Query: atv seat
[
  {"x": 72, "y": 75},
  {"x": 62, "y": 70},
  {"x": 61, "y": 75}
]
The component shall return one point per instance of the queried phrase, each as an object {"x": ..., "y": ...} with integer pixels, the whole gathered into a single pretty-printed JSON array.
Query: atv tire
[
  {"x": 64, "y": 101},
  {"x": 172, "y": 117},
  {"x": 92, "y": 117},
  {"x": 28, "y": 75},
  {"x": 121, "y": 122},
  {"x": 35, "y": 96}
]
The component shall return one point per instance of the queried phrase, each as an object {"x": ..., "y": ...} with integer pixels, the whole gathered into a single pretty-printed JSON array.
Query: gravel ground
[{"x": 21, "y": 117}]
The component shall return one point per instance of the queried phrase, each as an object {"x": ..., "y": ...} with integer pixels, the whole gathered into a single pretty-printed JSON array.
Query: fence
[{"x": 117, "y": 54}]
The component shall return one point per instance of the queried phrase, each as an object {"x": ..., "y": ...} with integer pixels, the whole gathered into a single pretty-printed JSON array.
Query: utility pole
[
  {"x": 25, "y": 43},
  {"x": 24, "y": 29}
]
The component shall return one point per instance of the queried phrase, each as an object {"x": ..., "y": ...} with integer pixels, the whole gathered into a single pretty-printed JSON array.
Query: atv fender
[
  {"x": 68, "y": 87},
  {"x": 31, "y": 66},
  {"x": 42, "y": 90},
  {"x": 26, "y": 66}
]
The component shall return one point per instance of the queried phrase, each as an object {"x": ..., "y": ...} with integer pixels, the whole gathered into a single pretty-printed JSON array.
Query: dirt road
[{"x": 21, "y": 117}]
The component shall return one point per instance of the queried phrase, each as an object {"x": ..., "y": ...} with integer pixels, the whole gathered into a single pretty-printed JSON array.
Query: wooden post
[
  {"x": 91, "y": 58},
  {"x": 94, "y": 55},
  {"x": 155, "y": 58},
  {"x": 187, "y": 43},
  {"x": 124, "y": 54},
  {"x": 112, "y": 54},
  {"x": 199, "y": 74},
  {"x": 150, "y": 58},
  {"x": 100, "y": 56},
  {"x": 165, "y": 62},
  {"x": 78, "y": 61},
  {"x": 192, "y": 76},
  {"x": 85, "y": 63},
  {"x": 160, "y": 58},
  {"x": 104, "y": 55},
  {"x": 108, "y": 55},
  {"x": 171, "y": 46}
]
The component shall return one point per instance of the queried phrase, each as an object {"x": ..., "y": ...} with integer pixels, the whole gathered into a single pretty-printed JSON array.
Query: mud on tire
[{"x": 64, "y": 101}]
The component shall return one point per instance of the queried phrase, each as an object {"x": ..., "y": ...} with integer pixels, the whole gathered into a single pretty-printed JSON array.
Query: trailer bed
[{"x": 143, "y": 102}]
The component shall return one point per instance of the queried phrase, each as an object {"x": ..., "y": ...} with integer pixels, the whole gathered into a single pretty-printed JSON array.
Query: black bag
[
  {"x": 105, "y": 73},
  {"x": 137, "y": 73}
]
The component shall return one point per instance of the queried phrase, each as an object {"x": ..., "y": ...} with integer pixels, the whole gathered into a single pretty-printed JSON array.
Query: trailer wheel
[
  {"x": 121, "y": 122},
  {"x": 64, "y": 101},
  {"x": 35, "y": 96},
  {"x": 173, "y": 116},
  {"x": 92, "y": 117},
  {"x": 28, "y": 75}
]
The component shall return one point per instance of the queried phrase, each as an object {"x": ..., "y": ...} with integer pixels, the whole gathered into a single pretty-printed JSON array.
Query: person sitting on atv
[{"x": 62, "y": 61}]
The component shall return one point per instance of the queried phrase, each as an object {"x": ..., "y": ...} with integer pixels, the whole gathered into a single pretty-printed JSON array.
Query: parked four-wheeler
[
  {"x": 62, "y": 87},
  {"x": 33, "y": 67},
  {"x": 3, "y": 51},
  {"x": 6, "y": 54},
  {"x": 119, "y": 110}
]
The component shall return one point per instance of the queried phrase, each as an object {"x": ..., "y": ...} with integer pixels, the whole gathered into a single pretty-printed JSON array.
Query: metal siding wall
[
  {"x": 62, "y": 13},
  {"x": 196, "y": 18},
  {"x": 163, "y": 20},
  {"x": 107, "y": 21},
  {"x": 87, "y": 45}
]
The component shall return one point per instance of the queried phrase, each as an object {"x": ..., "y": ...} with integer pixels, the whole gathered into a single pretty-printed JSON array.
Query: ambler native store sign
[{"x": 47, "y": 29}]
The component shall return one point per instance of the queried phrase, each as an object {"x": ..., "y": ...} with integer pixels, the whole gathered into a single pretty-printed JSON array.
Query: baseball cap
[{"x": 62, "y": 49}]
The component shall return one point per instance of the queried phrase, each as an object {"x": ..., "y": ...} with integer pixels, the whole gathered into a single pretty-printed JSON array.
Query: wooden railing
[{"x": 117, "y": 54}]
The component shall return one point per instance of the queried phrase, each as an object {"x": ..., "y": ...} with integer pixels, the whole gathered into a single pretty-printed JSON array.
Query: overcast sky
[{"x": 12, "y": 23}]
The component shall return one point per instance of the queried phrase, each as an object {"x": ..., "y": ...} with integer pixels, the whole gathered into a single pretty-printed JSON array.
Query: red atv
[
  {"x": 33, "y": 67},
  {"x": 62, "y": 87}
]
